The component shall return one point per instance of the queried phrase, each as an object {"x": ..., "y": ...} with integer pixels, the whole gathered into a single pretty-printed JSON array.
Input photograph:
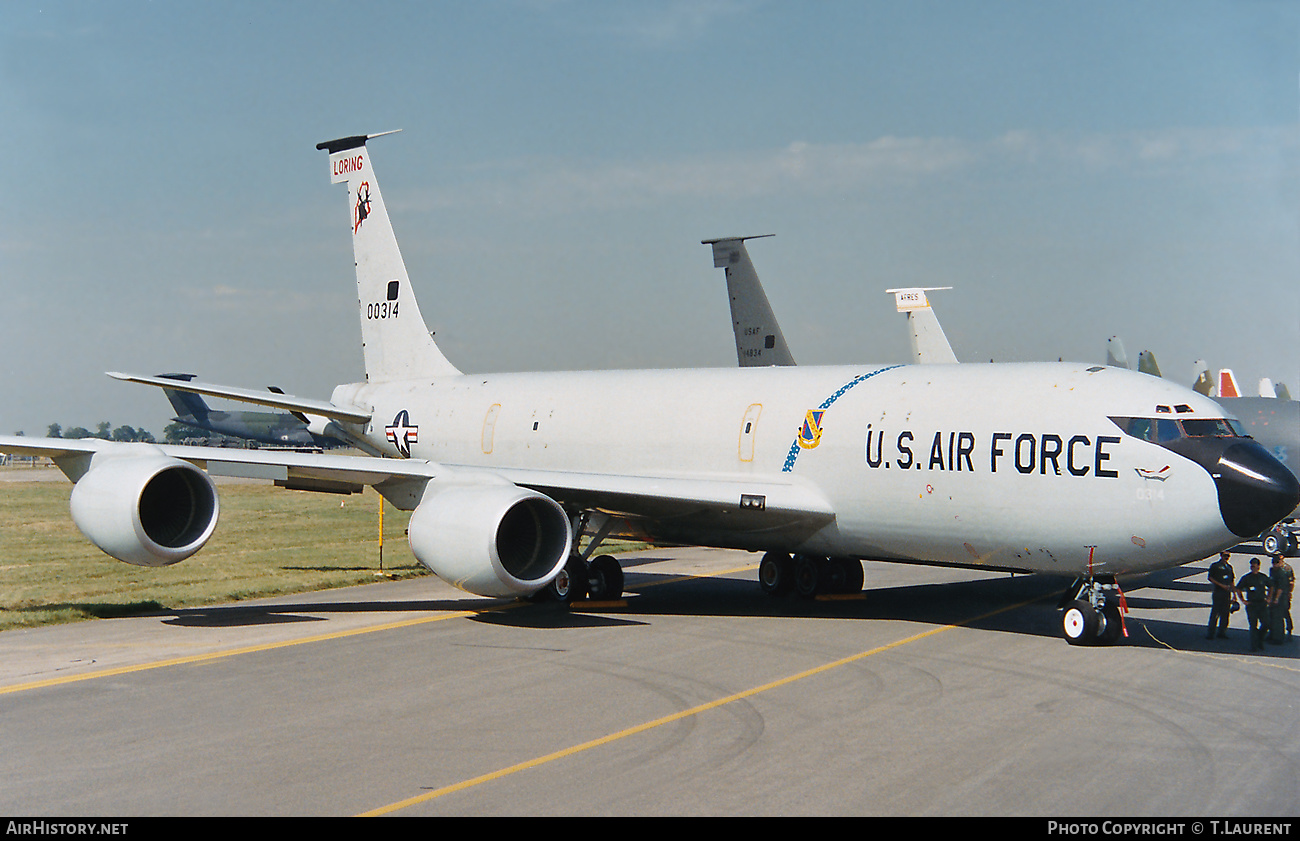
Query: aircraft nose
[{"x": 1255, "y": 489}]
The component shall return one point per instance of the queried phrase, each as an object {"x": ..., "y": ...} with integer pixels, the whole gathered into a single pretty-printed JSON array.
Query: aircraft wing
[
  {"x": 779, "y": 500},
  {"x": 655, "y": 496},
  {"x": 305, "y": 471},
  {"x": 279, "y": 400}
]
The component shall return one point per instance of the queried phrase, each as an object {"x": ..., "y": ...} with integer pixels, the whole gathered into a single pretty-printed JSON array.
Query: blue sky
[{"x": 1075, "y": 170}]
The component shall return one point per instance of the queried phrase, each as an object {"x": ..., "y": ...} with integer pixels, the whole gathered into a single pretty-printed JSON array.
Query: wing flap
[
  {"x": 784, "y": 498},
  {"x": 729, "y": 507}
]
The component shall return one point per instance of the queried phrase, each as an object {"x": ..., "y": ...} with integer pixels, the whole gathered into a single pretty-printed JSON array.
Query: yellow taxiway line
[{"x": 677, "y": 716}]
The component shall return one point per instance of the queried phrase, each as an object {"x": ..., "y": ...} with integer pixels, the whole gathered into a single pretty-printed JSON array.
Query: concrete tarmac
[{"x": 936, "y": 692}]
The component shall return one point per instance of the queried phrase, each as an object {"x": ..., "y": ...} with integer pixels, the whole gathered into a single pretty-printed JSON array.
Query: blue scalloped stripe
[{"x": 794, "y": 447}]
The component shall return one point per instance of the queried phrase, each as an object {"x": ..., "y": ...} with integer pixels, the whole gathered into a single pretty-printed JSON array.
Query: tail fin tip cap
[{"x": 344, "y": 143}]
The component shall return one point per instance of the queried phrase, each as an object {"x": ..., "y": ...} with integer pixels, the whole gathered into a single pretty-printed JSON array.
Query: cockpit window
[
  {"x": 1162, "y": 430},
  {"x": 1155, "y": 430},
  {"x": 1212, "y": 428}
]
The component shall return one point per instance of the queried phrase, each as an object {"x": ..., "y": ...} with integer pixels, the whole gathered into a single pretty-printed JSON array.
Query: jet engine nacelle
[
  {"x": 145, "y": 509},
  {"x": 496, "y": 540}
]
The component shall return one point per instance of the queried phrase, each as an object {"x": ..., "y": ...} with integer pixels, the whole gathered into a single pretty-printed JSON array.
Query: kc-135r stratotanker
[{"x": 1026, "y": 467}]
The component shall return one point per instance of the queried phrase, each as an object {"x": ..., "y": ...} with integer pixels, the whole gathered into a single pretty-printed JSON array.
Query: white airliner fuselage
[{"x": 916, "y": 463}]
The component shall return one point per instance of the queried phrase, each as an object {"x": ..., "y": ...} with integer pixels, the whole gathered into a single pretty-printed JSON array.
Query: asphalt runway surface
[{"x": 936, "y": 692}]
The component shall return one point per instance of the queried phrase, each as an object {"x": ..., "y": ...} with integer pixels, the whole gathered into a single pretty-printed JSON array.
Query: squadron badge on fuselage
[{"x": 810, "y": 434}]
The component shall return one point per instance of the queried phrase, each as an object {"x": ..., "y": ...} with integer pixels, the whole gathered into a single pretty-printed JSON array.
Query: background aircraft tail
[
  {"x": 1228, "y": 384},
  {"x": 758, "y": 337},
  {"x": 1147, "y": 363},
  {"x": 1115, "y": 355},
  {"x": 396, "y": 343},
  {"x": 1202, "y": 383},
  {"x": 185, "y": 403},
  {"x": 929, "y": 343}
]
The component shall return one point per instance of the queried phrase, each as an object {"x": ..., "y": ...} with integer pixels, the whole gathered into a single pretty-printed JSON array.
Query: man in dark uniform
[
  {"x": 1253, "y": 590},
  {"x": 1221, "y": 596},
  {"x": 1281, "y": 581}
]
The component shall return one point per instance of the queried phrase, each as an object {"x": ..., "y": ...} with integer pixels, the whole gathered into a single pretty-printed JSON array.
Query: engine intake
[
  {"x": 495, "y": 540},
  {"x": 147, "y": 510}
]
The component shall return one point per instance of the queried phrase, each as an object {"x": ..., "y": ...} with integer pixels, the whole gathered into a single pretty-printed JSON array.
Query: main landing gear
[
  {"x": 808, "y": 575},
  {"x": 598, "y": 578},
  {"x": 1092, "y": 611}
]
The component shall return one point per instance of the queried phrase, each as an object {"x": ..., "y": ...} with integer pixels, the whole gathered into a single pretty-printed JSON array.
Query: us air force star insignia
[
  {"x": 810, "y": 434},
  {"x": 401, "y": 434}
]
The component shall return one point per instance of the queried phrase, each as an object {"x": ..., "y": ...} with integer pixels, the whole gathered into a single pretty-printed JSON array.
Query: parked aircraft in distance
[
  {"x": 1272, "y": 418},
  {"x": 759, "y": 342},
  {"x": 929, "y": 344},
  {"x": 1116, "y": 357},
  {"x": 283, "y": 429},
  {"x": 930, "y": 464}
]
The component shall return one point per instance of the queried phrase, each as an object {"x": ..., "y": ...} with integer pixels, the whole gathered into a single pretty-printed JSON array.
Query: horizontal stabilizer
[{"x": 288, "y": 402}]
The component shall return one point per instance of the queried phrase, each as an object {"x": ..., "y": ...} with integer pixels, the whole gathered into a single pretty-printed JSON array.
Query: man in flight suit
[
  {"x": 1281, "y": 581},
  {"x": 1222, "y": 596},
  {"x": 1253, "y": 590}
]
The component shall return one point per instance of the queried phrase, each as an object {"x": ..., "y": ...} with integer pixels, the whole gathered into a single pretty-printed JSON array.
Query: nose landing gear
[{"x": 1093, "y": 612}]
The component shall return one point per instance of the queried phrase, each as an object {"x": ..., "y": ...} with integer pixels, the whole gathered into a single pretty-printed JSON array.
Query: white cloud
[{"x": 810, "y": 168}]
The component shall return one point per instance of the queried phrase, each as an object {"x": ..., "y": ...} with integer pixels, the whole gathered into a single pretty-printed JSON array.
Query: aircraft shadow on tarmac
[
  {"x": 1022, "y": 604},
  {"x": 240, "y": 615}
]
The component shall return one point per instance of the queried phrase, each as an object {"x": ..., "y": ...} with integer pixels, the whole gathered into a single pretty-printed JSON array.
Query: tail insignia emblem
[{"x": 362, "y": 211}]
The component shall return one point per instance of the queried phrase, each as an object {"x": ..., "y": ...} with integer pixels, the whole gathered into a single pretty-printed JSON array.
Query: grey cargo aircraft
[{"x": 283, "y": 429}]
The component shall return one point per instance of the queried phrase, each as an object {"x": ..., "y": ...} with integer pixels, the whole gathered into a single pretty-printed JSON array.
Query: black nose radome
[{"x": 1255, "y": 489}]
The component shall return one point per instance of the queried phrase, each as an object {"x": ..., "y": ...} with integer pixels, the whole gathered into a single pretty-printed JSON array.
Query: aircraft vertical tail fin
[
  {"x": 395, "y": 341},
  {"x": 1266, "y": 388},
  {"x": 185, "y": 402},
  {"x": 1115, "y": 355},
  {"x": 1228, "y": 383},
  {"x": 1202, "y": 383},
  {"x": 1147, "y": 363},
  {"x": 929, "y": 344},
  {"x": 759, "y": 341}
]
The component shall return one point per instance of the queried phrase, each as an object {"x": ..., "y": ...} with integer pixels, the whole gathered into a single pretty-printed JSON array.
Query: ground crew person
[
  {"x": 1222, "y": 596},
  {"x": 1253, "y": 590},
  {"x": 1281, "y": 581}
]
